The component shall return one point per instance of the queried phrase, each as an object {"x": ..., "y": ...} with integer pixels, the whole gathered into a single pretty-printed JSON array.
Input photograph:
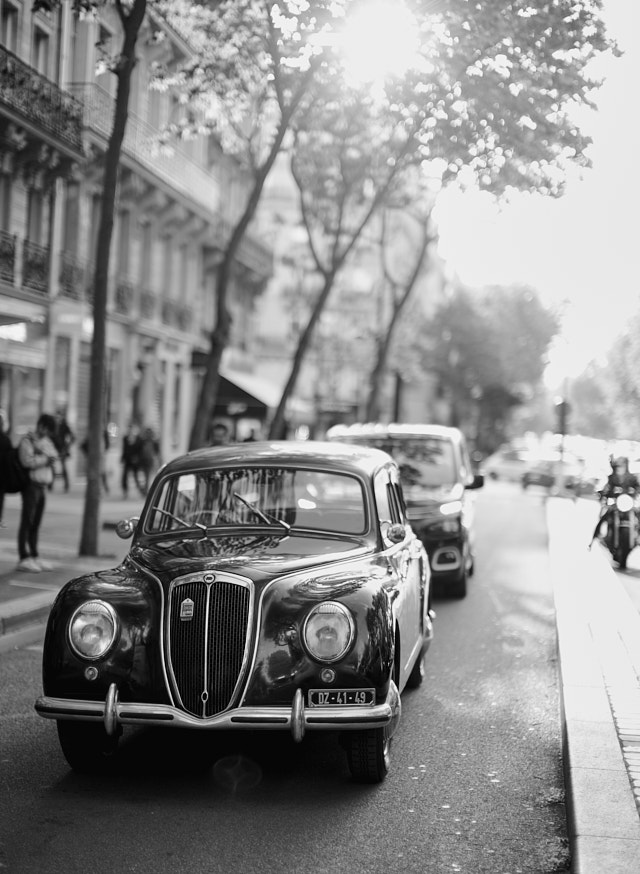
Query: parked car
[
  {"x": 507, "y": 463},
  {"x": 546, "y": 469},
  {"x": 268, "y": 586},
  {"x": 437, "y": 477}
]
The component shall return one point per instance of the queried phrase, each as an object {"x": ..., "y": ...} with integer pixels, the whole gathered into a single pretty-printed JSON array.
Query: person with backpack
[{"x": 38, "y": 454}]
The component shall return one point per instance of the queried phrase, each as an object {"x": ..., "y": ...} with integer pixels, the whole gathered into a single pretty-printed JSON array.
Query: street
[{"x": 476, "y": 783}]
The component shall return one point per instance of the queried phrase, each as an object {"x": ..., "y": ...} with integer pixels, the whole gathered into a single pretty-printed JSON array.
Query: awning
[{"x": 243, "y": 395}]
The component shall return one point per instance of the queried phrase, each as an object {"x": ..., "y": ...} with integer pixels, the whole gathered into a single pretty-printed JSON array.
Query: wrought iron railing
[
  {"x": 7, "y": 257},
  {"x": 74, "y": 276},
  {"x": 38, "y": 99},
  {"x": 35, "y": 267}
]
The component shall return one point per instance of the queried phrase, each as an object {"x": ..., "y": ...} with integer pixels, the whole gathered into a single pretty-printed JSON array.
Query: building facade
[{"x": 175, "y": 206}]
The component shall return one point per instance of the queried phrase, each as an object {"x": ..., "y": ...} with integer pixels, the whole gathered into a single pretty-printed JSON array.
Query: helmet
[{"x": 620, "y": 461}]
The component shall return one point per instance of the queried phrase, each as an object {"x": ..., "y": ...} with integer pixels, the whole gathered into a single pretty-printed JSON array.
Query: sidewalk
[
  {"x": 26, "y": 598},
  {"x": 598, "y": 632}
]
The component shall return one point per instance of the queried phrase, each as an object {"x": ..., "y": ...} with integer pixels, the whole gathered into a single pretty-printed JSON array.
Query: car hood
[{"x": 254, "y": 556}]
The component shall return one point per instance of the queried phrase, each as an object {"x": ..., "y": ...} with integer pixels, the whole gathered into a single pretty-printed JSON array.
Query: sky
[{"x": 581, "y": 251}]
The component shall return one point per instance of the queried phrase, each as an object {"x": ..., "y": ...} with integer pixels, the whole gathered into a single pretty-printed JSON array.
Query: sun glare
[{"x": 380, "y": 39}]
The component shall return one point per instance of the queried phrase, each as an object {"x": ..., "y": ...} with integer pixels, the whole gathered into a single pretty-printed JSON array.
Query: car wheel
[
  {"x": 368, "y": 754},
  {"x": 458, "y": 587},
  {"x": 86, "y": 746}
]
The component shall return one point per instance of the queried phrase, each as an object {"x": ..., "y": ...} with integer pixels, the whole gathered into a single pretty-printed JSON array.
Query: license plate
[{"x": 341, "y": 697}]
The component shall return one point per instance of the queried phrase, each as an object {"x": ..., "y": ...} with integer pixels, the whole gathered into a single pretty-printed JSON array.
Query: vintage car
[
  {"x": 273, "y": 585},
  {"x": 437, "y": 478}
]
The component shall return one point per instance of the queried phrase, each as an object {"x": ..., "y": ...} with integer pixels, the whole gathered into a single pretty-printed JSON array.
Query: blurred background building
[{"x": 176, "y": 204}]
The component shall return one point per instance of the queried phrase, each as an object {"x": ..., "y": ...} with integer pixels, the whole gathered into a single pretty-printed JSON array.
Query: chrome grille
[{"x": 207, "y": 651}]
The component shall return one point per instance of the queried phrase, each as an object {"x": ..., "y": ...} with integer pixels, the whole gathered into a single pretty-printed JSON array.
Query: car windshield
[
  {"x": 248, "y": 496},
  {"x": 424, "y": 462}
]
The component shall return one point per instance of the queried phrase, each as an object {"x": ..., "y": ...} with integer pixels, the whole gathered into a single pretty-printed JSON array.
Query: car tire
[
  {"x": 457, "y": 588},
  {"x": 86, "y": 746},
  {"x": 368, "y": 754}
]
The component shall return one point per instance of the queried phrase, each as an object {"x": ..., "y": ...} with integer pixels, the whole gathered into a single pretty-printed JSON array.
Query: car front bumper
[{"x": 298, "y": 719}]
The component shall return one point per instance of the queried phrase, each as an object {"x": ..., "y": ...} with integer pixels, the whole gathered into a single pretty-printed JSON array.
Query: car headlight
[
  {"x": 624, "y": 503},
  {"x": 328, "y": 631},
  {"x": 92, "y": 629}
]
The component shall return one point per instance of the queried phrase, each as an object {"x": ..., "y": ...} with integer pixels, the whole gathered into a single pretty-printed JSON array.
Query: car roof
[
  {"x": 394, "y": 429},
  {"x": 284, "y": 453}
]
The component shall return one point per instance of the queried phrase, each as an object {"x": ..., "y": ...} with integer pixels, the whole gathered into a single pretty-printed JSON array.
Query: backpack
[{"x": 14, "y": 476}]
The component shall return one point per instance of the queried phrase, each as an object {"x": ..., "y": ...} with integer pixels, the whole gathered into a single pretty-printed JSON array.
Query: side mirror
[
  {"x": 395, "y": 533},
  {"x": 126, "y": 527},
  {"x": 477, "y": 482}
]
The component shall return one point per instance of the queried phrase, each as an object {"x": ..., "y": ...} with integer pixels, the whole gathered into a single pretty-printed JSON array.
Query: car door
[{"x": 407, "y": 560}]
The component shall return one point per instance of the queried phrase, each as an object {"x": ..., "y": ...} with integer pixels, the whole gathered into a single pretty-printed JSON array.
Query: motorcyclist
[{"x": 619, "y": 481}]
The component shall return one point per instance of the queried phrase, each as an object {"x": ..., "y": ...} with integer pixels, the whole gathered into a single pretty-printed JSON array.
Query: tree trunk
[
  {"x": 89, "y": 539},
  {"x": 222, "y": 330},
  {"x": 278, "y": 428},
  {"x": 384, "y": 344}
]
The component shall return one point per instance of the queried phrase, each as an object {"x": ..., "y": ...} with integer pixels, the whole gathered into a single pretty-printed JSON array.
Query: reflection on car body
[
  {"x": 268, "y": 586},
  {"x": 436, "y": 475}
]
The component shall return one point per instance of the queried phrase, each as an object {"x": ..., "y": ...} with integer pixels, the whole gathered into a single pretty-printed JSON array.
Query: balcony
[
  {"x": 39, "y": 101},
  {"x": 7, "y": 257},
  {"x": 142, "y": 143},
  {"x": 35, "y": 267}
]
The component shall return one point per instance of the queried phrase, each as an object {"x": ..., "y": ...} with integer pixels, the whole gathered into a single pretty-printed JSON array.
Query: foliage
[
  {"x": 488, "y": 349},
  {"x": 255, "y": 63},
  {"x": 487, "y": 104},
  {"x": 501, "y": 79}
]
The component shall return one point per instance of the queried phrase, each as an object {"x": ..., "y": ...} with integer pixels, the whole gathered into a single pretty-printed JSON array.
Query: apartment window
[
  {"x": 124, "y": 243},
  {"x": 167, "y": 266},
  {"x": 40, "y": 51},
  {"x": 5, "y": 202},
  {"x": 105, "y": 48},
  {"x": 146, "y": 256},
  {"x": 35, "y": 217},
  {"x": 9, "y": 35},
  {"x": 183, "y": 276},
  {"x": 71, "y": 217}
]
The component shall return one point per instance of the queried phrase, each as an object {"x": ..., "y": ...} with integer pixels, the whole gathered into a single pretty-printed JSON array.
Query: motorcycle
[{"x": 621, "y": 519}]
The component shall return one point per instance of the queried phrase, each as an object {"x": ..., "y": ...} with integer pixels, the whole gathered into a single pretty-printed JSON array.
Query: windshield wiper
[
  {"x": 179, "y": 520},
  {"x": 265, "y": 517}
]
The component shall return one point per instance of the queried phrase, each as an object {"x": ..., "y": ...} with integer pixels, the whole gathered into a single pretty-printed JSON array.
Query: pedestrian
[
  {"x": 5, "y": 446},
  {"x": 38, "y": 454},
  {"x": 130, "y": 458},
  {"x": 63, "y": 439},
  {"x": 149, "y": 455},
  {"x": 219, "y": 434}
]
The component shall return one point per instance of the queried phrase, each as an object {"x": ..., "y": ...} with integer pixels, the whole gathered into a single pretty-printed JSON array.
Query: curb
[{"x": 598, "y": 631}]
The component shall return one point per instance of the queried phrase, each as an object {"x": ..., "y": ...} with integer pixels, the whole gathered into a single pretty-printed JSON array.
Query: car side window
[
  {"x": 398, "y": 498},
  {"x": 383, "y": 497}
]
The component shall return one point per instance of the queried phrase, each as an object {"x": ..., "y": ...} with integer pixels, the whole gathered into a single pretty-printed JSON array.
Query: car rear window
[
  {"x": 313, "y": 499},
  {"x": 424, "y": 462}
]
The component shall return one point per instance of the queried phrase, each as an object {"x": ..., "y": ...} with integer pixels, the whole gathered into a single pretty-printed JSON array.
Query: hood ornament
[{"x": 186, "y": 610}]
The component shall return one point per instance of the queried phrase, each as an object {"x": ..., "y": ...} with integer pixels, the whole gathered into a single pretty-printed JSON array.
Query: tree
[
  {"x": 486, "y": 104},
  {"x": 131, "y": 15},
  {"x": 400, "y": 289},
  {"x": 489, "y": 351},
  {"x": 347, "y": 160},
  {"x": 255, "y": 64}
]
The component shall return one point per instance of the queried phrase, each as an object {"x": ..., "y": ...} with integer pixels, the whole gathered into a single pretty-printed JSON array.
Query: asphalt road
[{"x": 476, "y": 783}]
